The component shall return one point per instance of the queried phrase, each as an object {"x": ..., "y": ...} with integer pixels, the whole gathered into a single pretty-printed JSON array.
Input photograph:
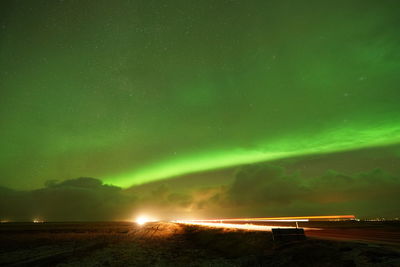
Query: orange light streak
[
  {"x": 231, "y": 225},
  {"x": 282, "y": 219},
  {"x": 246, "y": 226}
]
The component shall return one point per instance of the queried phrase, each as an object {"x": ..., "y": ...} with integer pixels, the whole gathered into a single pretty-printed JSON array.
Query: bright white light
[{"x": 143, "y": 219}]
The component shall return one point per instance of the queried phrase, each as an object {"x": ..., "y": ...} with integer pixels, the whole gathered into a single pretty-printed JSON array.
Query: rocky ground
[{"x": 170, "y": 244}]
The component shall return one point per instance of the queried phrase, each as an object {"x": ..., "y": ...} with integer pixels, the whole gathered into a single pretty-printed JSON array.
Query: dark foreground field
[{"x": 169, "y": 244}]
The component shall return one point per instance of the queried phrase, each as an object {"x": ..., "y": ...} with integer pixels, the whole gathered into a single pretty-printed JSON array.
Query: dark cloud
[
  {"x": 266, "y": 189},
  {"x": 76, "y": 199},
  {"x": 83, "y": 182},
  {"x": 265, "y": 184},
  {"x": 256, "y": 190},
  {"x": 84, "y": 199}
]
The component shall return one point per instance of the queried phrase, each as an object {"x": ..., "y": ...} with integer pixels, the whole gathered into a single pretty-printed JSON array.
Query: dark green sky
[{"x": 137, "y": 91}]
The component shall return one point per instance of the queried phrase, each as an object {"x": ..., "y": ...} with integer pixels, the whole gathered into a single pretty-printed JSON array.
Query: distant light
[
  {"x": 36, "y": 220},
  {"x": 143, "y": 219}
]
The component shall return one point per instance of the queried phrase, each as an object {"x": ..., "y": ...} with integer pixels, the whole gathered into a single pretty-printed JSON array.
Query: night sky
[{"x": 287, "y": 107}]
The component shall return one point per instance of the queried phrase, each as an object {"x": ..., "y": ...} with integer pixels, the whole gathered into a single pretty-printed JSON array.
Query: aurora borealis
[
  {"x": 132, "y": 92},
  {"x": 336, "y": 140}
]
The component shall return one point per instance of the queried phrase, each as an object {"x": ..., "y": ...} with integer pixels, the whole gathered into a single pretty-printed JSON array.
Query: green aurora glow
[
  {"x": 137, "y": 91},
  {"x": 333, "y": 141}
]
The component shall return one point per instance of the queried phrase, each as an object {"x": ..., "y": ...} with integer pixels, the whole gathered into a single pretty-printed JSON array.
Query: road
[
  {"x": 375, "y": 236},
  {"x": 387, "y": 233}
]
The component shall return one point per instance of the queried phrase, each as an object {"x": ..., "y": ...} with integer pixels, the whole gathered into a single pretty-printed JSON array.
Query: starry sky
[{"x": 196, "y": 93}]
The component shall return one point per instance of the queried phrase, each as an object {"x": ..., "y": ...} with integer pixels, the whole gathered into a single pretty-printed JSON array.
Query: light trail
[
  {"x": 234, "y": 226},
  {"x": 227, "y": 223},
  {"x": 281, "y": 219},
  {"x": 253, "y": 227}
]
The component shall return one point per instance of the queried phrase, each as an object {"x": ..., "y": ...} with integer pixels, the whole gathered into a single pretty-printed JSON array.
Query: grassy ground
[{"x": 169, "y": 244}]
